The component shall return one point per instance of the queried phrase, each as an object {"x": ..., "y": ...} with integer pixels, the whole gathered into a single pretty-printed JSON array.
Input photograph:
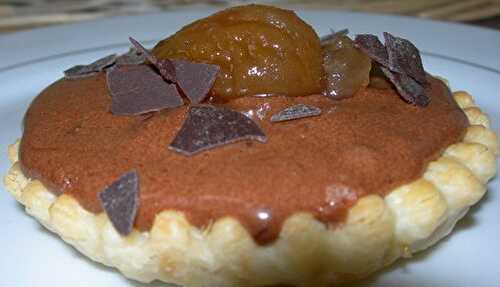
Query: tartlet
[{"x": 374, "y": 209}]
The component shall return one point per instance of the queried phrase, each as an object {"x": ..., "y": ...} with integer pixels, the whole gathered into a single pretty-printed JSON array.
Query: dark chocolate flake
[
  {"x": 132, "y": 57},
  {"x": 164, "y": 66},
  {"x": 78, "y": 72},
  {"x": 195, "y": 79},
  {"x": 400, "y": 61},
  {"x": 404, "y": 58},
  {"x": 409, "y": 89},
  {"x": 167, "y": 69},
  {"x": 207, "y": 127},
  {"x": 371, "y": 45},
  {"x": 296, "y": 112},
  {"x": 81, "y": 71},
  {"x": 143, "y": 50},
  {"x": 139, "y": 89},
  {"x": 120, "y": 201}
]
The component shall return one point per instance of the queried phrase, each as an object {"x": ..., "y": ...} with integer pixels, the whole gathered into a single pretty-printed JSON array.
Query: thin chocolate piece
[
  {"x": 164, "y": 66},
  {"x": 404, "y": 58},
  {"x": 132, "y": 57},
  {"x": 409, "y": 89},
  {"x": 140, "y": 48},
  {"x": 82, "y": 71},
  {"x": 78, "y": 72},
  {"x": 139, "y": 89},
  {"x": 296, "y": 112},
  {"x": 195, "y": 79},
  {"x": 400, "y": 61},
  {"x": 167, "y": 70},
  {"x": 207, "y": 127},
  {"x": 371, "y": 45},
  {"x": 120, "y": 201}
]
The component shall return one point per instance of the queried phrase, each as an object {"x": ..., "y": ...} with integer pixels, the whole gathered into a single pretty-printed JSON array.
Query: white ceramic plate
[{"x": 31, "y": 256}]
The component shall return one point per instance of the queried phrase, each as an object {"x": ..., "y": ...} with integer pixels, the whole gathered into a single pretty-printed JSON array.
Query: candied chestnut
[
  {"x": 260, "y": 49},
  {"x": 347, "y": 69}
]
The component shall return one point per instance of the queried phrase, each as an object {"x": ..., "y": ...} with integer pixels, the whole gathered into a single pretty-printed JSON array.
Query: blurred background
[{"x": 16, "y": 15}]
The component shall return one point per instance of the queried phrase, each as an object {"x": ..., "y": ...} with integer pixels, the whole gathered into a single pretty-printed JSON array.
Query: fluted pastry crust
[{"x": 376, "y": 232}]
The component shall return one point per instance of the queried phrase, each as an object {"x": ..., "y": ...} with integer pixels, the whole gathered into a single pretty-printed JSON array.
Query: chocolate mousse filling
[{"x": 370, "y": 143}]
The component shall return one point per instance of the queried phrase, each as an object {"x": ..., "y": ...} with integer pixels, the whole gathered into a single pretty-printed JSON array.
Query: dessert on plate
[{"x": 244, "y": 150}]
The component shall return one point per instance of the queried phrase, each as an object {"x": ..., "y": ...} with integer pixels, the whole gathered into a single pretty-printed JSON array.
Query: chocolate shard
[
  {"x": 132, "y": 57},
  {"x": 120, "y": 201},
  {"x": 78, "y": 72},
  {"x": 371, "y": 45},
  {"x": 195, "y": 79},
  {"x": 207, "y": 127},
  {"x": 82, "y": 71},
  {"x": 296, "y": 112},
  {"x": 136, "y": 90},
  {"x": 400, "y": 61},
  {"x": 409, "y": 89},
  {"x": 143, "y": 50},
  {"x": 404, "y": 58},
  {"x": 167, "y": 70},
  {"x": 164, "y": 66}
]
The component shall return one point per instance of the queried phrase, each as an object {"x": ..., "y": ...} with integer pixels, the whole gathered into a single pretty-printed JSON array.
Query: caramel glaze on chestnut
[{"x": 261, "y": 50}]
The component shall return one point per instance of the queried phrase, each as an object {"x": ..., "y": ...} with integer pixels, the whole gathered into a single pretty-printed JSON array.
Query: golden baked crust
[{"x": 377, "y": 230}]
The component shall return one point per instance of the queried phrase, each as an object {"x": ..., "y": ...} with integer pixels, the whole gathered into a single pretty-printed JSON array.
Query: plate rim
[{"x": 28, "y": 35}]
